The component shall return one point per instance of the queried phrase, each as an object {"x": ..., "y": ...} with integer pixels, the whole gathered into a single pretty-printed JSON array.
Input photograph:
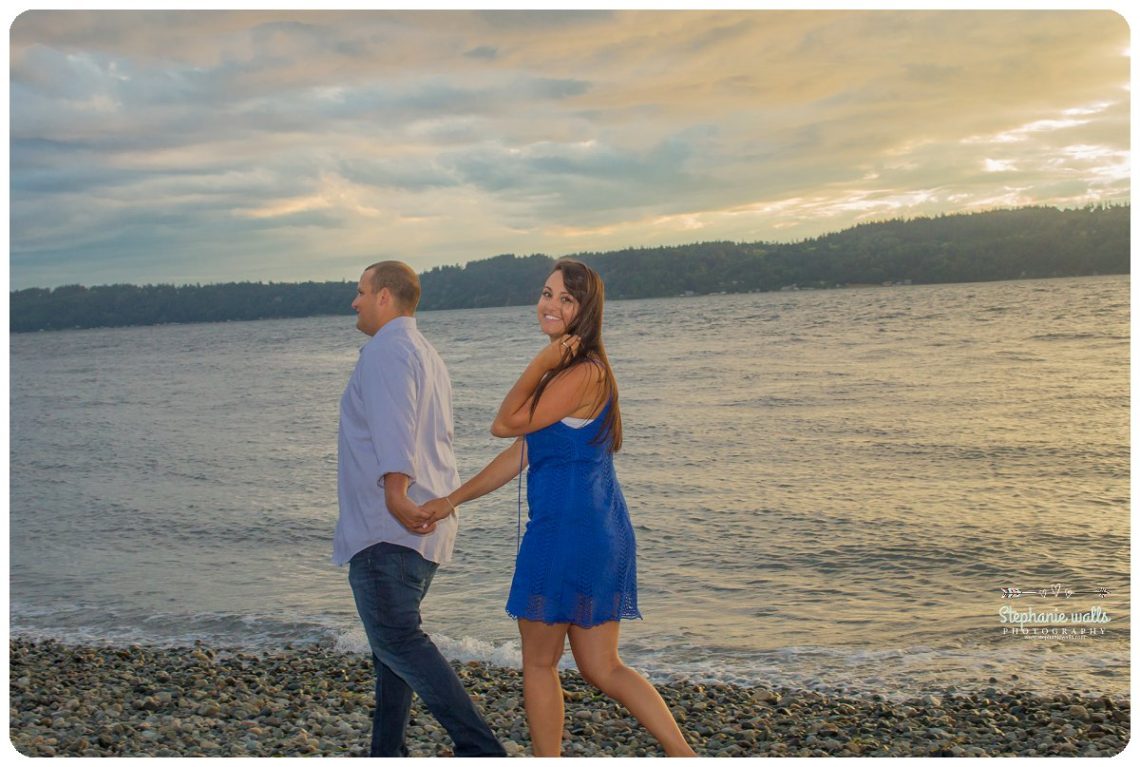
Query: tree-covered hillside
[{"x": 996, "y": 245}]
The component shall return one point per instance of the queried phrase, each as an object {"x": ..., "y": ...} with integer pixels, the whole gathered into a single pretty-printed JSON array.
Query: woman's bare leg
[
  {"x": 542, "y": 646},
  {"x": 595, "y": 651}
]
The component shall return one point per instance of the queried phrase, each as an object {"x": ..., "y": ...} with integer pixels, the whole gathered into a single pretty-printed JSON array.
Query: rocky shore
[{"x": 311, "y": 701}]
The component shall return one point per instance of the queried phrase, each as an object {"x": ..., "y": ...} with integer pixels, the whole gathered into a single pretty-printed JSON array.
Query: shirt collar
[{"x": 397, "y": 324}]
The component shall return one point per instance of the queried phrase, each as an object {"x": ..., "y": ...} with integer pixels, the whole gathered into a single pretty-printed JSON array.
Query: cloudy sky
[{"x": 186, "y": 147}]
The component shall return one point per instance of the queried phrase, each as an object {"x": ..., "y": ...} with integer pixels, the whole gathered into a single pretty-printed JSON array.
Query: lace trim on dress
[{"x": 587, "y": 612}]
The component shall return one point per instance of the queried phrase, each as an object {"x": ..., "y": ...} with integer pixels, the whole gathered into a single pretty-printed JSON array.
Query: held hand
[
  {"x": 438, "y": 509},
  {"x": 425, "y": 528},
  {"x": 560, "y": 348},
  {"x": 413, "y": 517}
]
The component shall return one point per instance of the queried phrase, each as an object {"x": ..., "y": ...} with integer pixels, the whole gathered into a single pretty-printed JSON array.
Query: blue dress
[{"x": 578, "y": 559}]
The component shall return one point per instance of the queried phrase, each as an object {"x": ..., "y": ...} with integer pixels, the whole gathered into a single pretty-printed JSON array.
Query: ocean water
[{"x": 830, "y": 489}]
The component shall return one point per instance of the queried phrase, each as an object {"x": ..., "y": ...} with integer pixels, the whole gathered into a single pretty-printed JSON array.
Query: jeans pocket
[{"x": 416, "y": 570}]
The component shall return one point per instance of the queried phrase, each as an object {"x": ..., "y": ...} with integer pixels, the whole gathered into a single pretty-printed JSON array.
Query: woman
[{"x": 575, "y": 574}]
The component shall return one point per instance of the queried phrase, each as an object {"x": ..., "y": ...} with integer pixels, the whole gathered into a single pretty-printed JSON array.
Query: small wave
[
  {"x": 1066, "y": 336},
  {"x": 465, "y": 649},
  {"x": 901, "y": 673},
  {"x": 88, "y": 625}
]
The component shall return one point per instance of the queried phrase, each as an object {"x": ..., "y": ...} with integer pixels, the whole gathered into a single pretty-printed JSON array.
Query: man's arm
[
  {"x": 390, "y": 390},
  {"x": 403, "y": 508},
  {"x": 391, "y": 394}
]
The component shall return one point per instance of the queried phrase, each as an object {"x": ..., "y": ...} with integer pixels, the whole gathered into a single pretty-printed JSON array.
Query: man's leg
[
  {"x": 393, "y": 696},
  {"x": 389, "y": 582},
  {"x": 390, "y": 719}
]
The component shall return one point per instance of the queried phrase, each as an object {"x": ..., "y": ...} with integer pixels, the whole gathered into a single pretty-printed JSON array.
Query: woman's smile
[{"x": 556, "y": 307}]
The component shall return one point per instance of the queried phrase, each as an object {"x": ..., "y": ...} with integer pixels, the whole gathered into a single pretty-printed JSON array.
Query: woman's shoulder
[
  {"x": 592, "y": 363},
  {"x": 586, "y": 372}
]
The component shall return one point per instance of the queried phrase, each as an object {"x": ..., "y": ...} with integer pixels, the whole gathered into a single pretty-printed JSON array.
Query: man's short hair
[{"x": 400, "y": 280}]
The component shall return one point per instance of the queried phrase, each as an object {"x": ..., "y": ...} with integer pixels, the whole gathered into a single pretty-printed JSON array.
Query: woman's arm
[
  {"x": 572, "y": 390},
  {"x": 501, "y": 470}
]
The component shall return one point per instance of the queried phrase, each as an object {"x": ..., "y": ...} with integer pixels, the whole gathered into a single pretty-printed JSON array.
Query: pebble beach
[{"x": 87, "y": 700}]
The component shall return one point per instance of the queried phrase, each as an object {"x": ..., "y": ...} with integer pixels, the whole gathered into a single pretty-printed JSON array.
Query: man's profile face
[{"x": 367, "y": 306}]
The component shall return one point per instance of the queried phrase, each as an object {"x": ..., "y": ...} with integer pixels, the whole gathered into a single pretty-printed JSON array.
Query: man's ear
[{"x": 384, "y": 297}]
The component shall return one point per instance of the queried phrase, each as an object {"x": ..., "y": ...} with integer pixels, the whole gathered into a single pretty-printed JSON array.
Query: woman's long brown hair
[{"x": 586, "y": 287}]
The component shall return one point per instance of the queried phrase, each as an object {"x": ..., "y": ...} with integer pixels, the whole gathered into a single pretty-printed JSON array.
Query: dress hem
[{"x": 619, "y": 618}]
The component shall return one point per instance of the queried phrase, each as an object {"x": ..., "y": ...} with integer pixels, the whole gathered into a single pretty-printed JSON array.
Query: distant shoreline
[
  {"x": 422, "y": 311},
  {"x": 85, "y": 700}
]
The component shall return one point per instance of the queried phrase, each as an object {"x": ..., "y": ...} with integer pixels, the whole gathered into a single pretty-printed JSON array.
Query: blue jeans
[{"x": 388, "y": 583}]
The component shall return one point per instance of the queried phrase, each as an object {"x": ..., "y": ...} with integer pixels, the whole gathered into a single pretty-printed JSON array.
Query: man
[{"x": 394, "y": 453}]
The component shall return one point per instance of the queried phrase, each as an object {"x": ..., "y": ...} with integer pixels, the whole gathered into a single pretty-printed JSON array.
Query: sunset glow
[{"x": 168, "y": 146}]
